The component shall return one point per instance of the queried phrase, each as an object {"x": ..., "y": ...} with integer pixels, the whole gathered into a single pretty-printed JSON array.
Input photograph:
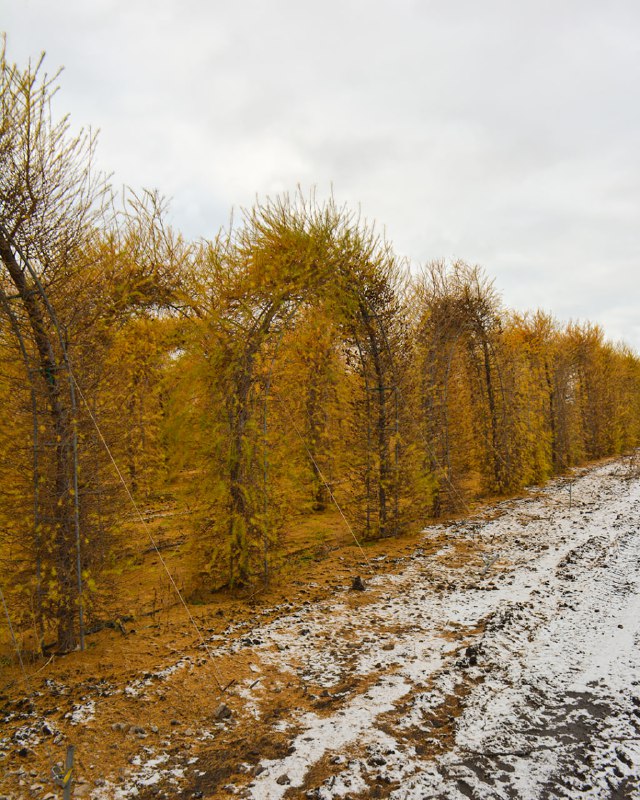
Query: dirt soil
[{"x": 492, "y": 657}]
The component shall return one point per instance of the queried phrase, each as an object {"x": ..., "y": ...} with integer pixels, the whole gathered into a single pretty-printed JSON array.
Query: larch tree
[
  {"x": 49, "y": 202},
  {"x": 73, "y": 273}
]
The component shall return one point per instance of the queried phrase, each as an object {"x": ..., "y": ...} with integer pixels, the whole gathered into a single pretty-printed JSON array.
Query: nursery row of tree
[{"x": 291, "y": 366}]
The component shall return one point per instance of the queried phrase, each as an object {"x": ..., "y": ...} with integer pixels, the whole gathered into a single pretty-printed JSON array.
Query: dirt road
[
  {"x": 511, "y": 673},
  {"x": 500, "y": 660}
]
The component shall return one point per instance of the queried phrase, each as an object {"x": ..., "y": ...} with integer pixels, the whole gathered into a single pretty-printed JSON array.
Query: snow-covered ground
[
  {"x": 529, "y": 660},
  {"x": 500, "y": 660}
]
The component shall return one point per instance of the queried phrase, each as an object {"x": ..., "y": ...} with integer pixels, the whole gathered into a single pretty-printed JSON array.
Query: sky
[{"x": 502, "y": 133}]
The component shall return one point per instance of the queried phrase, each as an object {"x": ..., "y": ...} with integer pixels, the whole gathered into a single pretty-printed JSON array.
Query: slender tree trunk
[
  {"x": 555, "y": 461},
  {"x": 63, "y": 523},
  {"x": 238, "y": 512},
  {"x": 320, "y": 494},
  {"x": 381, "y": 426},
  {"x": 497, "y": 469},
  {"x": 37, "y": 543}
]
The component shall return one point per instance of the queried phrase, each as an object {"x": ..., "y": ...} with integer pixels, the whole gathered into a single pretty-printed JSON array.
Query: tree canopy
[{"x": 291, "y": 369}]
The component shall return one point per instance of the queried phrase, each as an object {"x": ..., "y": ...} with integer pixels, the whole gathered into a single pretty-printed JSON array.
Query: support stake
[{"x": 64, "y": 779}]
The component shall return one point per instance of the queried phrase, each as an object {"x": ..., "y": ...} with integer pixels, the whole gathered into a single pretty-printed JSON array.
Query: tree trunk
[{"x": 61, "y": 505}]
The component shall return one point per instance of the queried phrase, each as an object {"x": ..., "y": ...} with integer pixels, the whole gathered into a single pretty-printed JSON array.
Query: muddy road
[
  {"x": 500, "y": 660},
  {"x": 506, "y": 664}
]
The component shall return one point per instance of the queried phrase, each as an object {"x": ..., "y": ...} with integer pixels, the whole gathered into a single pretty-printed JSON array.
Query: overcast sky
[{"x": 505, "y": 133}]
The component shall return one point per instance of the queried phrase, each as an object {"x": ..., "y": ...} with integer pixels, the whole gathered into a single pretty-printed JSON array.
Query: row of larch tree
[{"x": 288, "y": 368}]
